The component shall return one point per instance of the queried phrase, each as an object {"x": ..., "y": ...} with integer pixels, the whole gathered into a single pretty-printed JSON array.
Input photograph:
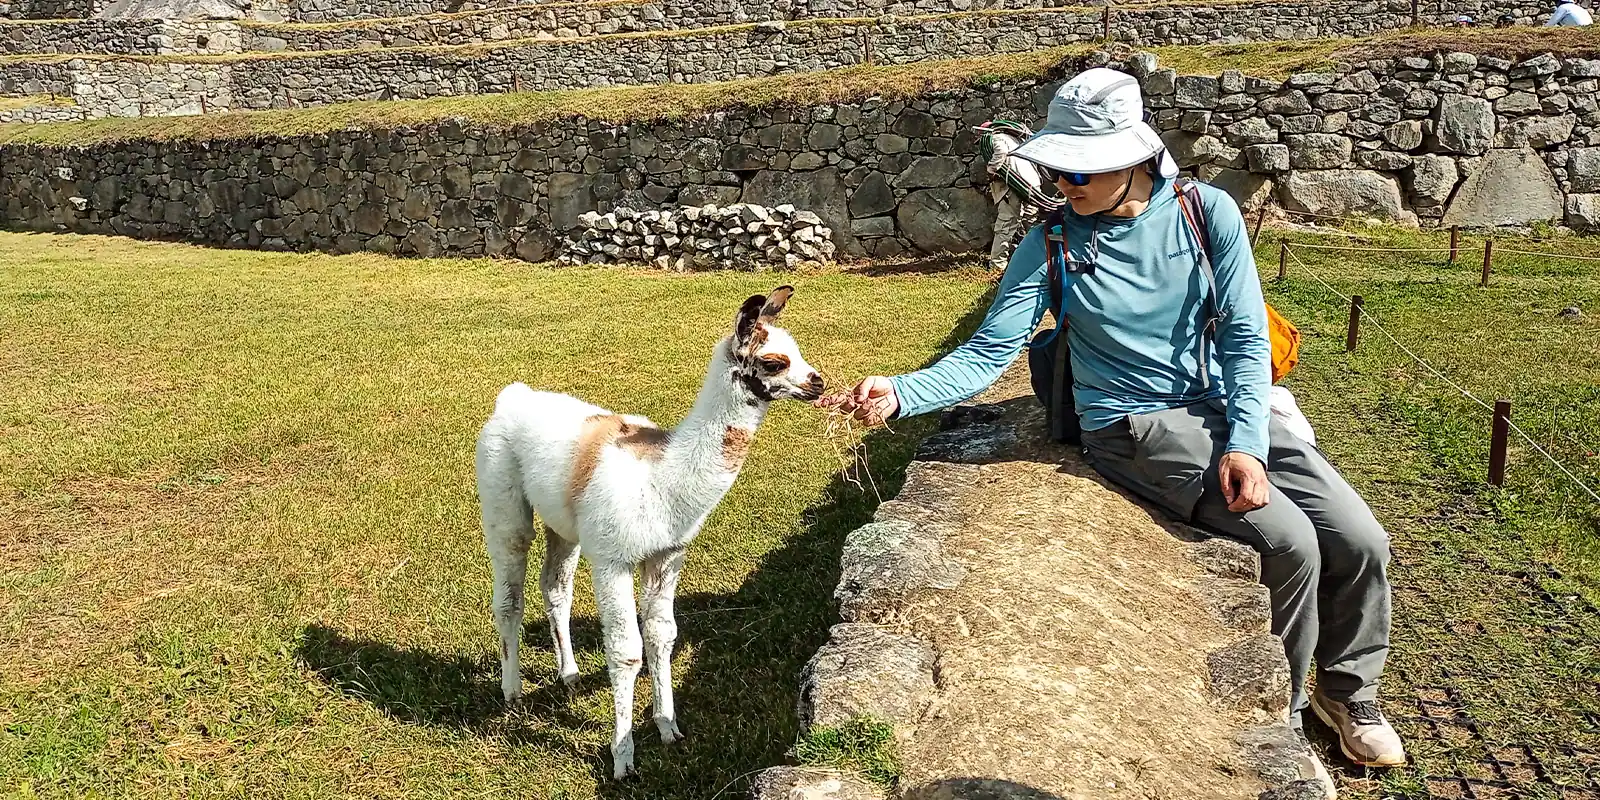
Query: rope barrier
[
  {"x": 1372, "y": 249},
  {"x": 1546, "y": 255},
  {"x": 1464, "y": 392}
]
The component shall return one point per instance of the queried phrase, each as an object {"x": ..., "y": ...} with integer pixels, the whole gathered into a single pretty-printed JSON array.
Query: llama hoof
[
  {"x": 569, "y": 681},
  {"x": 670, "y": 732},
  {"x": 624, "y": 771}
]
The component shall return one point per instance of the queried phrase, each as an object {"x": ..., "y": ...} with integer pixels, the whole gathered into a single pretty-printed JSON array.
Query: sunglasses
[{"x": 1074, "y": 178}]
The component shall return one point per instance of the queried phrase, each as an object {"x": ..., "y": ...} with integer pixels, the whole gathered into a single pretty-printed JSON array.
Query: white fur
[{"x": 636, "y": 511}]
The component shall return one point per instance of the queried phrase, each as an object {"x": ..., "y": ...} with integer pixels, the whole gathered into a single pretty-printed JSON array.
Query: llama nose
[{"x": 815, "y": 383}]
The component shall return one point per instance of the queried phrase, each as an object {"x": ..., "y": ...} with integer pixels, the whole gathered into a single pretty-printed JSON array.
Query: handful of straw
[{"x": 846, "y": 435}]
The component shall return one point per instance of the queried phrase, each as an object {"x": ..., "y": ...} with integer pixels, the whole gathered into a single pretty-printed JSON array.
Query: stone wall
[
  {"x": 882, "y": 176},
  {"x": 118, "y": 37},
  {"x": 112, "y": 86},
  {"x": 49, "y": 9},
  {"x": 1448, "y": 138}
]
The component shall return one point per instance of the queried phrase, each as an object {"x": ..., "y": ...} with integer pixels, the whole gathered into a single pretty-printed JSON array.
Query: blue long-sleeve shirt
[{"x": 1134, "y": 325}]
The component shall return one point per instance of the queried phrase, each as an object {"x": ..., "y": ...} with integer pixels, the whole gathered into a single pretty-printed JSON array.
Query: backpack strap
[
  {"x": 1055, "y": 259},
  {"x": 1194, "y": 217}
]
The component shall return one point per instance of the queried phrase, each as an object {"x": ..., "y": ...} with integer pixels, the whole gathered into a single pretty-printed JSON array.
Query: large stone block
[
  {"x": 1251, "y": 673},
  {"x": 1404, "y": 135},
  {"x": 571, "y": 194},
  {"x": 819, "y": 191},
  {"x": 1506, "y": 187},
  {"x": 873, "y": 197},
  {"x": 1267, "y": 158},
  {"x": 1247, "y": 188},
  {"x": 1464, "y": 125},
  {"x": 1190, "y": 149},
  {"x": 1250, "y": 130},
  {"x": 1583, "y": 169},
  {"x": 811, "y": 783},
  {"x": 1433, "y": 177},
  {"x": 1536, "y": 132},
  {"x": 947, "y": 220},
  {"x": 1318, "y": 151},
  {"x": 885, "y": 562},
  {"x": 1344, "y": 192},
  {"x": 931, "y": 172},
  {"x": 1583, "y": 212},
  {"x": 863, "y": 670},
  {"x": 1196, "y": 91}
]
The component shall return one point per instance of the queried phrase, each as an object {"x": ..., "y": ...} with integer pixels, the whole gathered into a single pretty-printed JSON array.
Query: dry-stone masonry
[
  {"x": 1432, "y": 139},
  {"x": 1447, "y": 138},
  {"x": 743, "y": 235},
  {"x": 305, "y": 74}
]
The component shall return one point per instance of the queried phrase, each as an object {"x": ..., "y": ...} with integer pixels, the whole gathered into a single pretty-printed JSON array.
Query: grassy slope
[
  {"x": 238, "y": 537},
  {"x": 634, "y": 104},
  {"x": 1496, "y": 590}
]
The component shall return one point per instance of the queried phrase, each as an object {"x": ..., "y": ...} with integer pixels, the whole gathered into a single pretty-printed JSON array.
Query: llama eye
[{"x": 774, "y": 364}]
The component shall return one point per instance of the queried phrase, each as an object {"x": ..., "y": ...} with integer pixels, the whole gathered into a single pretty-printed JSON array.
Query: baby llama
[{"x": 626, "y": 494}]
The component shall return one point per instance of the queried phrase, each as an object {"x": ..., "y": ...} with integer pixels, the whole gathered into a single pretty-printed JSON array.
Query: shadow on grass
[
  {"x": 740, "y": 653},
  {"x": 920, "y": 265}
]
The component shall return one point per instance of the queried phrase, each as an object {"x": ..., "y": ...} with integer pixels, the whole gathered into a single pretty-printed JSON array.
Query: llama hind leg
[
  {"x": 555, "y": 583},
  {"x": 619, "y": 625},
  {"x": 660, "y": 582},
  {"x": 507, "y": 532}
]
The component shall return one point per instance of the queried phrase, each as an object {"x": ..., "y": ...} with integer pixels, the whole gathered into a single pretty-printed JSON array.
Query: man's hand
[
  {"x": 872, "y": 400},
  {"x": 1244, "y": 482}
]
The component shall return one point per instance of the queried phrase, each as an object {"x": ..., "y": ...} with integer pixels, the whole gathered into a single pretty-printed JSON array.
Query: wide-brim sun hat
[{"x": 1095, "y": 124}]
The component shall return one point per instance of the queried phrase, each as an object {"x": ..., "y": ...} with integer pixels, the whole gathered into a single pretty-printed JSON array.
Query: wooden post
[
  {"x": 204, "y": 109},
  {"x": 1261, "y": 216},
  {"x": 516, "y": 81},
  {"x": 1354, "y": 332},
  {"x": 1283, "y": 260},
  {"x": 1455, "y": 242},
  {"x": 1105, "y": 23},
  {"x": 1497, "y": 442},
  {"x": 1416, "y": 17},
  {"x": 1488, "y": 257}
]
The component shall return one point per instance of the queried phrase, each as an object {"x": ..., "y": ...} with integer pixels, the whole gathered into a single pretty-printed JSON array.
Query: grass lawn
[
  {"x": 239, "y": 548},
  {"x": 238, "y": 544},
  {"x": 1495, "y": 673}
]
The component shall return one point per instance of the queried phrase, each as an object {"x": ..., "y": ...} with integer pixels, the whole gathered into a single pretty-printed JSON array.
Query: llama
[{"x": 625, "y": 494}]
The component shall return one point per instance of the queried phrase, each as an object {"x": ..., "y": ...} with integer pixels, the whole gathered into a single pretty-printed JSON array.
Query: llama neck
[{"x": 706, "y": 450}]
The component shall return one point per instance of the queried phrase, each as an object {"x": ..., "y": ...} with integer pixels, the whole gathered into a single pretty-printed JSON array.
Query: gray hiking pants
[{"x": 1323, "y": 555}]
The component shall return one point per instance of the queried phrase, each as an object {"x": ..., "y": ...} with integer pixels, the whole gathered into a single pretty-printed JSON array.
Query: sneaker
[
  {"x": 1364, "y": 735},
  {"x": 1311, "y": 768}
]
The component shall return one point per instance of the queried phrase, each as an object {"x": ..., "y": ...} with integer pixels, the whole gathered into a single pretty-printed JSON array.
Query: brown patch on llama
[
  {"x": 735, "y": 447},
  {"x": 645, "y": 442}
]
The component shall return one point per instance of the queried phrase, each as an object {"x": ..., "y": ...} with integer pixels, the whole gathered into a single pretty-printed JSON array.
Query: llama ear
[
  {"x": 776, "y": 301},
  {"x": 744, "y": 326}
]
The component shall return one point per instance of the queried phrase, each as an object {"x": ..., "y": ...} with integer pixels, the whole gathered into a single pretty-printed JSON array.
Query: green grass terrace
[{"x": 642, "y": 103}]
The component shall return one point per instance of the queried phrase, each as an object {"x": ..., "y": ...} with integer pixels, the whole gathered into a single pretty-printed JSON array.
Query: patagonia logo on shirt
[{"x": 1181, "y": 252}]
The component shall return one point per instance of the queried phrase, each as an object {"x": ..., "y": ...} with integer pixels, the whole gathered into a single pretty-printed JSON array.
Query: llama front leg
[
  {"x": 507, "y": 531},
  {"x": 555, "y": 583},
  {"x": 660, "y": 581},
  {"x": 619, "y": 626}
]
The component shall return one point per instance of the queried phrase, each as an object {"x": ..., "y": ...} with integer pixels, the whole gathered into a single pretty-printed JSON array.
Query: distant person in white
[{"x": 1570, "y": 13}]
